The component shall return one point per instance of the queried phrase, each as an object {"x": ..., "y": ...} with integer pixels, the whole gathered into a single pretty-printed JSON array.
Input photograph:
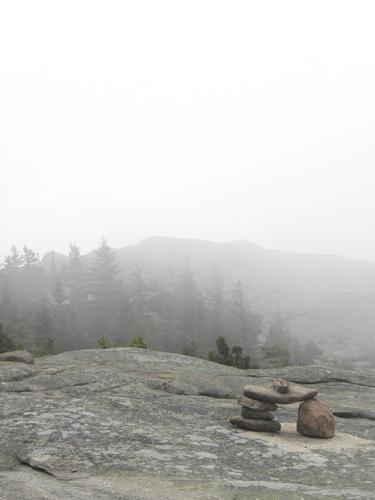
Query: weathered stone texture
[
  {"x": 138, "y": 424},
  {"x": 269, "y": 394},
  {"x": 253, "y": 404},
  {"x": 257, "y": 414},
  {"x": 256, "y": 425},
  {"x": 315, "y": 419},
  {"x": 17, "y": 357},
  {"x": 281, "y": 386}
]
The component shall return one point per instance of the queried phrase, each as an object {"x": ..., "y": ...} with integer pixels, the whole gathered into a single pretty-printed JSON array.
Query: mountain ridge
[
  {"x": 326, "y": 297},
  {"x": 244, "y": 243}
]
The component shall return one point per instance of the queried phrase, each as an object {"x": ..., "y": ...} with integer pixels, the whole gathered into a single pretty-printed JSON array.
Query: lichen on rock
[{"x": 104, "y": 420}]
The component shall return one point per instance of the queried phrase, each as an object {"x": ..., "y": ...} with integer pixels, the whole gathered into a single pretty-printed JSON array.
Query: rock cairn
[
  {"x": 256, "y": 415},
  {"x": 259, "y": 402}
]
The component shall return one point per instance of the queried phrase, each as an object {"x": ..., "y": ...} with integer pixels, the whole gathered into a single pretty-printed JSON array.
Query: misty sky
[{"x": 219, "y": 120}]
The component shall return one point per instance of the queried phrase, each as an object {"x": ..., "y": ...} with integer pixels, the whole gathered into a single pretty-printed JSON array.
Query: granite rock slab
[{"x": 130, "y": 423}]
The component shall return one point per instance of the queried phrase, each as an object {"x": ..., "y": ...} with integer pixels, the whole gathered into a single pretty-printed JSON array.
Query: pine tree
[
  {"x": 247, "y": 323},
  {"x": 59, "y": 313},
  {"x": 6, "y": 343},
  {"x": 21, "y": 291},
  {"x": 43, "y": 323},
  {"x": 229, "y": 356},
  {"x": 10, "y": 277},
  {"x": 276, "y": 349},
  {"x": 14, "y": 261},
  {"x": 190, "y": 307},
  {"x": 77, "y": 295},
  {"x": 32, "y": 277},
  {"x": 216, "y": 305},
  {"x": 106, "y": 293},
  {"x": 137, "y": 323}
]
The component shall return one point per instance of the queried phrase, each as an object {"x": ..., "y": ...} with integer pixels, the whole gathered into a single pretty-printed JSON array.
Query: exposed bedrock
[{"x": 133, "y": 423}]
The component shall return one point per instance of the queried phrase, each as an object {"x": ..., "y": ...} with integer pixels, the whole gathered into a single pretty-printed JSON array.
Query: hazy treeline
[{"x": 58, "y": 306}]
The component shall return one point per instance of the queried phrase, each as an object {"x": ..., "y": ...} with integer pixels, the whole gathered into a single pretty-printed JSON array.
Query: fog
[
  {"x": 211, "y": 120},
  {"x": 187, "y": 247}
]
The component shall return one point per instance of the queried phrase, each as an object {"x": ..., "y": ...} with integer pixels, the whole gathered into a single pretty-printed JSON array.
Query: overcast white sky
[{"x": 218, "y": 120}]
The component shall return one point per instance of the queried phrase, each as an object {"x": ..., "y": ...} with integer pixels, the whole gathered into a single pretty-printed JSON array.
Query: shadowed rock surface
[{"x": 137, "y": 424}]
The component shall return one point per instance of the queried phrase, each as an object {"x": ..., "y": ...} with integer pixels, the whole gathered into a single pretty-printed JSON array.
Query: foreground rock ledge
[{"x": 108, "y": 421}]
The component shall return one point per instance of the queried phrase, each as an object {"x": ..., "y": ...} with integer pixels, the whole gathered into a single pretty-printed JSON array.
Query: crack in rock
[
  {"x": 39, "y": 468},
  {"x": 354, "y": 414}
]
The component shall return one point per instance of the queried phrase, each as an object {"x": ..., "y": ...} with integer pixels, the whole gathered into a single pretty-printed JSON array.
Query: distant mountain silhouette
[{"x": 327, "y": 298}]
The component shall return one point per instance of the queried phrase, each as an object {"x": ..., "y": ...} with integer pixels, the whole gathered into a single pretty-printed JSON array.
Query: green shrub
[
  {"x": 190, "y": 349},
  {"x": 229, "y": 356},
  {"x": 274, "y": 355},
  {"x": 7, "y": 343},
  {"x": 104, "y": 343},
  {"x": 138, "y": 342},
  {"x": 44, "y": 349}
]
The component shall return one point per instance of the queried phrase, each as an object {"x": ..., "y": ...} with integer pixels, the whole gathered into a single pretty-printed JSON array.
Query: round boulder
[{"x": 315, "y": 419}]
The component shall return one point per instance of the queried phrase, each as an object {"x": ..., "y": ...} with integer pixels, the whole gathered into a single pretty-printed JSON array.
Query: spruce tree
[
  {"x": 77, "y": 293},
  {"x": 247, "y": 324},
  {"x": 216, "y": 305},
  {"x": 106, "y": 293}
]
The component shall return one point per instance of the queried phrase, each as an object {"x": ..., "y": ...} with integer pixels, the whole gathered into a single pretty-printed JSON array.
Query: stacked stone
[
  {"x": 256, "y": 415},
  {"x": 258, "y": 403}
]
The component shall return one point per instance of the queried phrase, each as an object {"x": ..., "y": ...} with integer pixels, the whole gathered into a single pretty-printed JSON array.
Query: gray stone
[
  {"x": 271, "y": 395},
  {"x": 281, "y": 386},
  {"x": 18, "y": 357},
  {"x": 258, "y": 415},
  {"x": 256, "y": 425},
  {"x": 253, "y": 404},
  {"x": 140, "y": 424}
]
